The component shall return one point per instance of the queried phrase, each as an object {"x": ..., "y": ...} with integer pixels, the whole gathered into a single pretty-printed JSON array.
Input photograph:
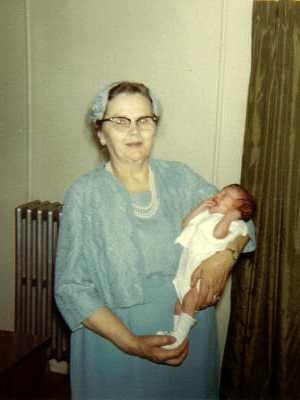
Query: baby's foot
[
  {"x": 175, "y": 344},
  {"x": 167, "y": 333},
  {"x": 163, "y": 333}
]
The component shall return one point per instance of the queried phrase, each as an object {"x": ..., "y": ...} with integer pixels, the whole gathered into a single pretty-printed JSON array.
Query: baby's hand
[{"x": 207, "y": 204}]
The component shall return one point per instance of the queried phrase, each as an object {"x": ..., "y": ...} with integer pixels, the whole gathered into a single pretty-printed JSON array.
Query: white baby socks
[{"x": 182, "y": 326}]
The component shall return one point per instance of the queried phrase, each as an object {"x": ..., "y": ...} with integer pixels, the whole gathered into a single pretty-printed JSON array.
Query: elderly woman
[{"x": 116, "y": 261}]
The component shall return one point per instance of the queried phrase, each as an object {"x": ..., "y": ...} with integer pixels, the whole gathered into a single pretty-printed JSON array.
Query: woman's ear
[{"x": 101, "y": 138}]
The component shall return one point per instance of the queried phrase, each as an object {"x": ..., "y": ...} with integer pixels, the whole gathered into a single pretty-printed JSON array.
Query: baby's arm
[
  {"x": 205, "y": 205},
  {"x": 222, "y": 228}
]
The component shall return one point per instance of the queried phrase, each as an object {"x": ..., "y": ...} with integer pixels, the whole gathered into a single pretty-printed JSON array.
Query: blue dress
[{"x": 99, "y": 370}]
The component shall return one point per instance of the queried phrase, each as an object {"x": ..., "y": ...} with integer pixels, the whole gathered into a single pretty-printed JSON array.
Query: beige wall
[
  {"x": 13, "y": 143},
  {"x": 194, "y": 53}
]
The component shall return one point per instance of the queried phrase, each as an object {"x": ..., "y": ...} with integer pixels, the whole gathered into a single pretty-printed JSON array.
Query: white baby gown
[{"x": 199, "y": 243}]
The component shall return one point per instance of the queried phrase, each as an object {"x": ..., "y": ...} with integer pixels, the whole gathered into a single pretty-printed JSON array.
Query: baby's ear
[{"x": 239, "y": 213}]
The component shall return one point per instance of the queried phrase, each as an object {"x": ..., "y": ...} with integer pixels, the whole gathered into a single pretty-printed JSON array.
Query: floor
[{"x": 55, "y": 387}]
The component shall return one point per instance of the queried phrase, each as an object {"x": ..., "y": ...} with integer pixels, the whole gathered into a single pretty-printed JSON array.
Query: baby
[{"x": 206, "y": 230}]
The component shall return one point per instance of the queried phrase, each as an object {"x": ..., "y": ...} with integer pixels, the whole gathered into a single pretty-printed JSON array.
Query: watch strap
[{"x": 234, "y": 253}]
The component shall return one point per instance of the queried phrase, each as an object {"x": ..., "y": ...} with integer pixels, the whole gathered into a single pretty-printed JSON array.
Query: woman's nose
[{"x": 133, "y": 127}]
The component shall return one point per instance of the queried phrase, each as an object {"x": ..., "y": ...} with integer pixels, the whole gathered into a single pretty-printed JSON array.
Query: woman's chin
[{"x": 138, "y": 154}]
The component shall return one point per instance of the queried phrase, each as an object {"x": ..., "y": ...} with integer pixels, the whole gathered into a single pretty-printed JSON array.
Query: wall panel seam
[
  {"x": 29, "y": 100},
  {"x": 220, "y": 93}
]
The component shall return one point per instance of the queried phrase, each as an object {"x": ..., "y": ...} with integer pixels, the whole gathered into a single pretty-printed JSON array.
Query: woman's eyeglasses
[{"x": 123, "y": 124}]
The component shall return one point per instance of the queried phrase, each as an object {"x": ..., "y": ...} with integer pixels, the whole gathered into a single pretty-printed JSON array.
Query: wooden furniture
[{"x": 23, "y": 364}]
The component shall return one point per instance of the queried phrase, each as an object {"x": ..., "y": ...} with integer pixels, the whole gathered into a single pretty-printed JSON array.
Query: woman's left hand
[{"x": 213, "y": 274}]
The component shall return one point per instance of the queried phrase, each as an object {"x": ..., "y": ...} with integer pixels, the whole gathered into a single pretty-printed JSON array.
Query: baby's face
[{"x": 226, "y": 200}]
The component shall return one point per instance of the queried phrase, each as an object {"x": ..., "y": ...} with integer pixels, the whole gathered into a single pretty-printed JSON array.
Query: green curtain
[{"x": 262, "y": 354}]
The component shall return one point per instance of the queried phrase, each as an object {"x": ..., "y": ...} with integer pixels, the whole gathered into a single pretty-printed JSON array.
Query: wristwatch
[{"x": 235, "y": 254}]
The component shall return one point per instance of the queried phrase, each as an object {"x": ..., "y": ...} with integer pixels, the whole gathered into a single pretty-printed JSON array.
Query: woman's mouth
[{"x": 134, "y": 144}]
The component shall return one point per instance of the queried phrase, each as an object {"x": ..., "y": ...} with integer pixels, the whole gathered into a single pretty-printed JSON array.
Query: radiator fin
[{"x": 37, "y": 226}]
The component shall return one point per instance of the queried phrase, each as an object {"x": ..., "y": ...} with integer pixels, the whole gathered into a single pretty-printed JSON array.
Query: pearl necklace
[{"x": 149, "y": 210}]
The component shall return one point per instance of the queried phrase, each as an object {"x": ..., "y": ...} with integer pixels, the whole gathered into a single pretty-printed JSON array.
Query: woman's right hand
[
  {"x": 151, "y": 348},
  {"x": 105, "y": 323}
]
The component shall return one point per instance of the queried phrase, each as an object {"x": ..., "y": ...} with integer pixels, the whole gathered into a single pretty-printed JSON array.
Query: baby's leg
[
  {"x": 183, "y": 318},
  {"x": 177, "y": 312},
  {"x": 176, "y": 316},
  {"x": 189, "y": 302},
  {"x": 181, "y": 331},
  {"x": 178, "y": 308}
]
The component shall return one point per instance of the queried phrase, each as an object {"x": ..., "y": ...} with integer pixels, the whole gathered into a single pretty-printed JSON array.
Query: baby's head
[{"x": 235, "y": 197}]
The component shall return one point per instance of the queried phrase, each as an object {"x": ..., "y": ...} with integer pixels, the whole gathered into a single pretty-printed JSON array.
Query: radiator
[{"x": 37, "y": 225}]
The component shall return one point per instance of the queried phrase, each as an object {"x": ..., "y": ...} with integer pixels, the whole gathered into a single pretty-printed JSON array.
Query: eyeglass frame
[{"x": 154, "y": 118}]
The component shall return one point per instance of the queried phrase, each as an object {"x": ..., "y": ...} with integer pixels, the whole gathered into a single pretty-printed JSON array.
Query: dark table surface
[{"x": 14, "y": 347}]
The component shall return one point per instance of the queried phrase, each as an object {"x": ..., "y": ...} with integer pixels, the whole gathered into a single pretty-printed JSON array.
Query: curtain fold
[{"x": 262, "y": 353}]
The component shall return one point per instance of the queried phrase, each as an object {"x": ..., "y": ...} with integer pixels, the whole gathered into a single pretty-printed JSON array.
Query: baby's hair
[{"x": 247, "y": 206}]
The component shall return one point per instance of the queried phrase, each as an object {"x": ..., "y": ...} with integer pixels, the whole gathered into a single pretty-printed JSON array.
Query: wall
[
  {"x": 194, "y": 54},
  {"x": 13, "y": 143}
]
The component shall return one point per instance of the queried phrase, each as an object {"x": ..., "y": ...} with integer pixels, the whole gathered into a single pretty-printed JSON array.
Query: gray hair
[{"x": 99, "y": 103}]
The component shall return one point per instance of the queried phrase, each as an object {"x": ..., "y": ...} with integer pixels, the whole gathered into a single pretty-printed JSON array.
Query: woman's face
[{"x": 128, "y": 144}]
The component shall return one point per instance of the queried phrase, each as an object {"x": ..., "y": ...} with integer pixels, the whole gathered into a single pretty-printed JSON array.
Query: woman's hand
[
  {"x": 105, "y": 323},
  {"x": 213, "y": 274},
  {"x": 150, "y": 348}
]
